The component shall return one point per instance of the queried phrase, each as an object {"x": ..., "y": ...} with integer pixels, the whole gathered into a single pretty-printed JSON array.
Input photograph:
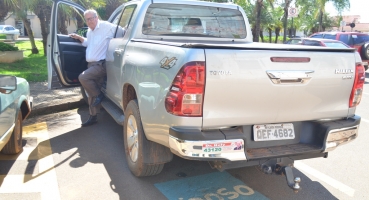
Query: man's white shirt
[{"x": 97, "y": 41}]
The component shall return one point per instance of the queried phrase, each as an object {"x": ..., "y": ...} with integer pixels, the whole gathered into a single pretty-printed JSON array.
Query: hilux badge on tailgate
[
  {"x": 343, "y": 71},
  {"x": 168, "y": 63}
]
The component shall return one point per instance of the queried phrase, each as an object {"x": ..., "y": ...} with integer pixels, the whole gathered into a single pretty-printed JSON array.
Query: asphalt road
[{"x": 61, "y": 160}]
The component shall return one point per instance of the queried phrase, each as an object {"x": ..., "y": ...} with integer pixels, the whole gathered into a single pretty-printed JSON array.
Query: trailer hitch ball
[{"x": 296, "y": 186}]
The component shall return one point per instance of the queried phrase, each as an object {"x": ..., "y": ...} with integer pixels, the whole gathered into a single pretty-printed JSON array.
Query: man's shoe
[
  {"x": 98, "y": 100},
  {"x": 91, "y": 120}
]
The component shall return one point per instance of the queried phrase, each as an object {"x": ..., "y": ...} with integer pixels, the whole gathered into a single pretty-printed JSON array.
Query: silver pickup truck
[{"x": 186, "y": 79}]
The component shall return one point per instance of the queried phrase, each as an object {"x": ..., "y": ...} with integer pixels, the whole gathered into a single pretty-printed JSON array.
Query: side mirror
[{"x": 8, "y": 84}]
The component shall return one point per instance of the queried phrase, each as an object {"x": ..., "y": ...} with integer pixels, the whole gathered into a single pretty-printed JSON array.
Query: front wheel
[
  {"x": 134, "y": 143},
  {"x": 14, "y": 144}
]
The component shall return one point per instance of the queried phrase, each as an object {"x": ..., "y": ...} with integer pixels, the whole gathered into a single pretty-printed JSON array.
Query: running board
[{"x": 113, "y": 110}]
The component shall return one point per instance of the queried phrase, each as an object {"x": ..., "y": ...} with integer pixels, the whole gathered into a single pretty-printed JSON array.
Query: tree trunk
[
  {"x": 27, "y": 25},
  {"x": 259, "y": 4},
  {"x": 39, "y": 11},
  {"x": 62, "y": 28},
  {"x": 320, "y": 20},
  {"x": 285, "y": 17},
  {"x": 270, "y": 35},
  {"x": 261, "y": 36},
  {"x": 277, "y": 30}
]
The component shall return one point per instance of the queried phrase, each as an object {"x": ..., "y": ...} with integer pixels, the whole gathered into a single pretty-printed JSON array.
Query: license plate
[{"x": 267, "y": 132}]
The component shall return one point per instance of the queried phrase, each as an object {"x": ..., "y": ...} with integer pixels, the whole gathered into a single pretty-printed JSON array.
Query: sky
[{"x": 357, "y": 7}]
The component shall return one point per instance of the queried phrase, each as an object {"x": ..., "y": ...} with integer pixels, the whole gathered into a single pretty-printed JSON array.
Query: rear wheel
[
  {"x": 14, "y": 144},
  {"x": 365, "y": 51},
  {"x": 134, "y": 143}
]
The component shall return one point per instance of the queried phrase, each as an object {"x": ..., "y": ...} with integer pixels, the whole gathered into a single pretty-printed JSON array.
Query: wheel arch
[
  {"x": 24, "y": 106},
  {"x": 129, "y": 93}
]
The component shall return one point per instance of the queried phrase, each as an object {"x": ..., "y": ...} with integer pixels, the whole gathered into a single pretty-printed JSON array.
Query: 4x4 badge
[{"x": 168, "y": 63}]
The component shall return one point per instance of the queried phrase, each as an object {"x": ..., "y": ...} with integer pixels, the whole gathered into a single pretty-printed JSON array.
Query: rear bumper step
[{"x": 282, "y": 151}]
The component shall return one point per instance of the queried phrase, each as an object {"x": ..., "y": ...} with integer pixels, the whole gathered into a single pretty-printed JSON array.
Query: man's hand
[{"x": 75, "y": 36}]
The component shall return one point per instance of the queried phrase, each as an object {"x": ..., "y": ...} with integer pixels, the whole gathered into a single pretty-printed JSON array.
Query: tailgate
[{"x": 239, "y": 90}]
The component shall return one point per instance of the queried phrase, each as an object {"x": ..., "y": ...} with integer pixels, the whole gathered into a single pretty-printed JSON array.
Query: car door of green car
[{"x": 66, "y": 57}]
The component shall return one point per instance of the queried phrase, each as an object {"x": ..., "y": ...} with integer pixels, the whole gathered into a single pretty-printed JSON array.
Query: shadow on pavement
[{"x": 81, "y": 152}]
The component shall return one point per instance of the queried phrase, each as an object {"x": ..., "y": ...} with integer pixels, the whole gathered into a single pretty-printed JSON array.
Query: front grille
[{"x": 281, "y": 151}]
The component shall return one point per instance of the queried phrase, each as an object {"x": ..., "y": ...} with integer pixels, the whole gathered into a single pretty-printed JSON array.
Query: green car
[{"x": 15, "y": 106}]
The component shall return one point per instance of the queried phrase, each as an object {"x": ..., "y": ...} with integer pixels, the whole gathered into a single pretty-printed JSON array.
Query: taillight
[
  {"x": 357, "y": 89},
  {"x": 186, "y": 94}
]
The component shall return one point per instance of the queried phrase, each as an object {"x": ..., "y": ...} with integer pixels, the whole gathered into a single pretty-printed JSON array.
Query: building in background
[
  {"x": 35, "y": 24},
  {"x": 349, "y": 19}
]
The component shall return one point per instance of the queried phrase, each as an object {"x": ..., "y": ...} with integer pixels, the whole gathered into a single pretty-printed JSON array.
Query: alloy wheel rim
[{"x": 132, "y": 138}]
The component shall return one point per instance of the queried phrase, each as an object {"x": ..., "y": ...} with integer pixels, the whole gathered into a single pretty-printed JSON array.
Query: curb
[{"x": 56, "y": 108}]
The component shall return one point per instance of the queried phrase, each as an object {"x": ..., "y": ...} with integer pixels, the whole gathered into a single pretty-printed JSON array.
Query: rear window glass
[
  {"x": 335, "y": 44},
  {"x": 312, "y": 43},
  {"x": 193, "y": 21}
]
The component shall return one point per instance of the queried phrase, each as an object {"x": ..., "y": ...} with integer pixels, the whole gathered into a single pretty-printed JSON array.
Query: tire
[
  {"x": 134, "y": 143},
  {"x": 365, "y": 51},
  {"x": 84, "y": 95},
  {"x": 14, "y": 144}
]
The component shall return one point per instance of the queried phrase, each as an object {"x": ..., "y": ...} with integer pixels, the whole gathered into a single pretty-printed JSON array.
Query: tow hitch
[{"x": 271, "y": 167}]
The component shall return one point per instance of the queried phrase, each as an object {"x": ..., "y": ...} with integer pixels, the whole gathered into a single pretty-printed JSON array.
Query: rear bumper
[{"x": 312, "y": 138}]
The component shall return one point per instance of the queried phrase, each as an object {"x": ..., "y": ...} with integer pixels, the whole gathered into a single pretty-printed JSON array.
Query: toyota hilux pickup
[{"x": 186, "y": 79}]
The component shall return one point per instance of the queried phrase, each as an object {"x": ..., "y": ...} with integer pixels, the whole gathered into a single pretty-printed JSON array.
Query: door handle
[
  {"x": 118, "y": 52},
  {"x": 290, "y": 77}
]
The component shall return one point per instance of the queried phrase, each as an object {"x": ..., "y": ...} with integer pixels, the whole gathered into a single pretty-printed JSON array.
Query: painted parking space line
[
  {"x": 43, "y": 181},
  {"x": 364, "y": 120},
  {"x": 217, "y": 185},
  {"x": 325, "y": 178}
]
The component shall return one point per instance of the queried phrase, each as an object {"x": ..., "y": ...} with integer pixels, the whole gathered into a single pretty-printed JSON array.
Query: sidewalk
[{"x": 50, "y": 101}]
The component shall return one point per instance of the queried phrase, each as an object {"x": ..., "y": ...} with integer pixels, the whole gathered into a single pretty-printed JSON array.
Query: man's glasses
[{"x": 90, "y": 18}]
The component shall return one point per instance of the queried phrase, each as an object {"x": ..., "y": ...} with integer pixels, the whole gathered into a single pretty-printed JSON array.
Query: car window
[
  {"x": 127, "y": 15},
  {"x": 189, "y": 20},
  {"x": 344, "y": 38},
  {"x": 317, "y": 36},
  {"x": 359, "y": 39},
  {"x": 311, "y": 43},
  {"x": 1, "y": 27},
  {"x": 335, "y": 44},
  {"x": 11, "y": 28},
  {"x": 330, "y": 36}
]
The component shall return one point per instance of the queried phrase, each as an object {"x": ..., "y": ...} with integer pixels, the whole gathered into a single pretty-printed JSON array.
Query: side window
[
  {"x": 344, "y": 39},
  {"x": 70, "y": 20},
  {"x": 127, "y": 16},
  {"x": 330, "y": 36},
  {"x": 317, "y": 36}
]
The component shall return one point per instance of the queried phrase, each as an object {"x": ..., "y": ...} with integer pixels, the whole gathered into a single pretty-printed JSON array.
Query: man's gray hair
[{"x": 91, "y": 11}]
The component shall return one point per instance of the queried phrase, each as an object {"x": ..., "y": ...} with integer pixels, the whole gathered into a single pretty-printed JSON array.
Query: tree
[
  {"x": 42, "y": 8},
  {"x": 4, "y": 10},
  {"x": 285, "y": 17},
  {"x": 20, "y": 7}
]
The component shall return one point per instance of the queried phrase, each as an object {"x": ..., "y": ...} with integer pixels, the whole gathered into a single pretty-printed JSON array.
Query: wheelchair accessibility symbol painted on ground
[{"x": 213, "y": 186}]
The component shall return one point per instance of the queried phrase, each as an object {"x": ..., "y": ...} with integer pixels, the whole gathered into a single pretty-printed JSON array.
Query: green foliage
[
  {"x": 2, "y": 36},
  {"x": 33, "y": 67},
  {"x": 7, "y": 47},
  {"x": 280, "y": 39}
]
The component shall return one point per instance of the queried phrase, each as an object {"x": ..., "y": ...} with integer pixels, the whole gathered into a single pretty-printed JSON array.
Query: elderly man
[{"x": 98, "y": 36}]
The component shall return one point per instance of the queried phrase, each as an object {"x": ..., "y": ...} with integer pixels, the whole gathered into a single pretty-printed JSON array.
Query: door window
[{"x": 127, "y": 16}]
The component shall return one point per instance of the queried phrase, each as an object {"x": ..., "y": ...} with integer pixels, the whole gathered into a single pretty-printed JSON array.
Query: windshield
[
  {"x": 1, "y": 27},
  {"x": 335, "y": 44},
  {"x": 193, "y": 21}
]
